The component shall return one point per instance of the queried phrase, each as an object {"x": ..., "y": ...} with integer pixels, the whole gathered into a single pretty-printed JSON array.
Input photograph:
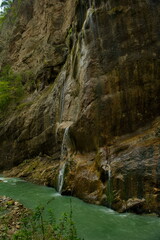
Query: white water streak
[
  {"x": 62, "y": 97},
  {"x": 109, "y": 172},
  {"x": 61, "y": 174},
  {"x": 61, "y": 177},
  {"x": 109, "y": 185}
]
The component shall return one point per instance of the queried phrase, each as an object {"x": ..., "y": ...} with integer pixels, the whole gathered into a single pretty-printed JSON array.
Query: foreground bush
[{"x": 36, "y": 225}]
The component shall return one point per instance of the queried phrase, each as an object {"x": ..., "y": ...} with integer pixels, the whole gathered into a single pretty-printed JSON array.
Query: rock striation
[{"x": 91, "y": 67}]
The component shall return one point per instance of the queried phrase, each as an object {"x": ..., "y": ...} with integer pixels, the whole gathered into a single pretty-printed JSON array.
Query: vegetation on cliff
[
  {"x": 10, "y": 87},
  {"x": 9, "y": 11},
  {"x": 5, "y": 7}
]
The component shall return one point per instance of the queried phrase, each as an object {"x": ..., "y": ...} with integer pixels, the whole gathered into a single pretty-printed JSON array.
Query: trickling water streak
[
  {"x": 61, "y": 103},
  {"x": 64, "y": 143},
  {"x": 93, "y": 21},
  {"x": 109, "y": 190},
  {"x": 108, "y": 5},
  {"x": 62, "y": 97},
  {"x": 109, "y": 172},
  {"x": 61, "y": 174},
  {"x": 61, "y": 177}
]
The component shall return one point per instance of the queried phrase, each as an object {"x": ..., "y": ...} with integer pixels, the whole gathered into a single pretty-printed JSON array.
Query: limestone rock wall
[{"x": 95, "y": 68}]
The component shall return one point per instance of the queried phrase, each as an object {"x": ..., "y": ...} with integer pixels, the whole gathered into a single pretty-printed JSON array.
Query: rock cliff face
[{"x": 91, "y": 69}]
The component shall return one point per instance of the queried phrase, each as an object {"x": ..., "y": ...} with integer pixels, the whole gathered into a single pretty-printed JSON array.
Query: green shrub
[
  {"x": 10, "y": 87},
  {"x": 37, "y": 227}
]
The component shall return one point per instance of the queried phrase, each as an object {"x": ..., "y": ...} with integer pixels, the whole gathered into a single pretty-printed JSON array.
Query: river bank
[
  {"x": 39, "y": 170},
  {"x": 11, "y": 214},
  {"x": 42, "y": 170}
]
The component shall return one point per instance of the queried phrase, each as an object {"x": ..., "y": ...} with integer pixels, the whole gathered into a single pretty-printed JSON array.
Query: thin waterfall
[
  {"x": 64, "y": 143},
  {"x": 93, "y": 24},
  {"x": 61, "y": 103},
  {"x": 61, "y": 177},
  {"x": 109, "y": 187},
  {"x": 62, "y": 96},
  {"x": 109, "y": 172},
  {"x": 61, "y": 174}
]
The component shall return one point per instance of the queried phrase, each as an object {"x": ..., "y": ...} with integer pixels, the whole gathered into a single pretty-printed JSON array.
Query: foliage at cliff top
[
  {"x": 10, "y": 87},
  {"x": 6, "y": 3},
  {"x": 5, "y": 6}
]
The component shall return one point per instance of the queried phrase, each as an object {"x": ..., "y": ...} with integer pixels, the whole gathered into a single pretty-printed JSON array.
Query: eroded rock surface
[{"x": 95, "y": 70}]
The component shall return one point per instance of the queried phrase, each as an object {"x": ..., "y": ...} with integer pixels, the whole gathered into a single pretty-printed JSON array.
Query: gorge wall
[{"x": 91, "y": 74}]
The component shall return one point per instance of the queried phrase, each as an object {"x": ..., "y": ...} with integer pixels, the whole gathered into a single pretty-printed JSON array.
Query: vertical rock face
[{"x": 95, "y": 68}]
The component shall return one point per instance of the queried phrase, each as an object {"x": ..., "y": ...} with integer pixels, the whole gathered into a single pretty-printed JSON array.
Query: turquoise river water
[{"x": 92, "y": 222}]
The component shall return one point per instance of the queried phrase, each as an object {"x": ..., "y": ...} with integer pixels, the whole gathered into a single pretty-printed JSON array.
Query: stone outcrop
[{"x": 91, "y": 67}]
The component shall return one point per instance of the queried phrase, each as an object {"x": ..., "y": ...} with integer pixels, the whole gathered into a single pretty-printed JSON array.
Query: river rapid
[{"x": 92, "y": 222}]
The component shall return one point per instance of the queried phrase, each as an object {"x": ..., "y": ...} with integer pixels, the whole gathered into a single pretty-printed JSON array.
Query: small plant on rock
[
  {"x": 38, "y": 227},
  {"x": 10, "y": 87}
]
